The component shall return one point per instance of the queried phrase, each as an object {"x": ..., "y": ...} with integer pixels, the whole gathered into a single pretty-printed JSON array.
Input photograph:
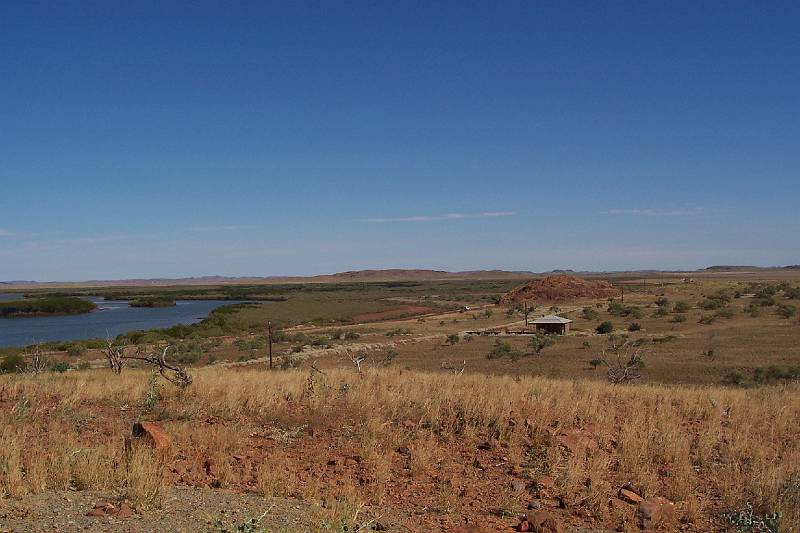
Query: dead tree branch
[{"x": 177, "y": 375}]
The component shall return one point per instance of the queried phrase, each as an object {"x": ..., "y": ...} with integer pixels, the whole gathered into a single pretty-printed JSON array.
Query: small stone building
[{"x": 552, "y": 324}]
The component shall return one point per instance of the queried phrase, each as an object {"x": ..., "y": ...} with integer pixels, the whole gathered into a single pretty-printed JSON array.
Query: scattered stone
[
  {"x": 485, "y": 445},
  {"x": 630, "y": 496},
  {"x": 102, "y": 509},
  {"x": 617, "y": 504},
  {"x": 125, "y": 511},
  {"x": 477, "y": 464},
  {"x": 518, "y": 486},
  {"x": 544, "y": 522},
  {"x": 404, "y": 450},
  {"x": 534, "y": 505},
  {"x": 633, "y": 488},
  {"x": 656, "y": 511}
]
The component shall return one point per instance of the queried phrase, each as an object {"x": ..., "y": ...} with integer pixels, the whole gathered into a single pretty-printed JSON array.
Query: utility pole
[{"x": 269, "y": 335}]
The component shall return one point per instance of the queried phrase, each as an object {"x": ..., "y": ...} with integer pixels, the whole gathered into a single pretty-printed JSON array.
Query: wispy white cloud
[
  {"x": 654, "y": 212},
  {"x": 6, "y": 233},
  {"x": 448, "y": 216}
]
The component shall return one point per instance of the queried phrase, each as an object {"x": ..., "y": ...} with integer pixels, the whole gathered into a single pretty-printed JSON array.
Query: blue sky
[{"x": 165, "y": 139}]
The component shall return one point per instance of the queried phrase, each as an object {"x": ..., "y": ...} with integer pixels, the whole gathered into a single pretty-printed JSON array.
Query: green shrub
[
  {"x": 452, "y": 339},
  {"x": 604, "y": 328},
  {"x": 678, "y": 318},
  {"x": 724, "y": 313},
  {"x": 681, "y": 307},
  {"x": 747, "y": 520},
  {"x": 351, "y": 336},
  {"x": 540, "y": 341},
  {"x": 634, "y": 326},
  {"x": 618, "y": 309},
  {"x": 59, "y": 366},
  {"x": 502, "y": 349},
  {"x": 590, "y": 314},
  {"x": 75, "y": 350},
  {"x": 710, "y": 304},
  {"x": 661, "y": 311},
  {"x": 12, "y": 363},
  {"x": 662, "y": 302},
  {"x": 792, "y": 293},
  {"x": 766, "y": 301},
  {"x": 707, "y": 319},
  {"x": 786, "y": 311}
]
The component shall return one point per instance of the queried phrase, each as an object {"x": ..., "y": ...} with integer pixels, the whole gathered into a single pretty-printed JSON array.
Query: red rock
[
  {"x": 97, "y": 512},
  {"x": 125, "y": 511},
  {"x": 617, "y": 504},
  {"x": 210, "y": 467},
  {"x": 630, "y": 496},
  {"x": 633, "y": 488},
  {"x": 524, "y": 526},
  {"x": 576, "y": 438},
  {"x": 469, "y": 528},
  {"x": 657, "y": 510},
  {"x": 154, "y": 434},
  {"x": 544, "y": 522}
]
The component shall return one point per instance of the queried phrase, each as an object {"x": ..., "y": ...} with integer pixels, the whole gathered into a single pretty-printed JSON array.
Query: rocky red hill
[{"x": 560, "y": 287}]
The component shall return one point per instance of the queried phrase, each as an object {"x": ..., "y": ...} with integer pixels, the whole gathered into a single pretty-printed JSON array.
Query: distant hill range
[
  {"x": 747, "y": 268},
  {"x": 385, "y": 275}
]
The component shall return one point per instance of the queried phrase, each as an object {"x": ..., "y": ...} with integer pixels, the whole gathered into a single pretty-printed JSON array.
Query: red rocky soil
[{"x": 560, "y": 288}]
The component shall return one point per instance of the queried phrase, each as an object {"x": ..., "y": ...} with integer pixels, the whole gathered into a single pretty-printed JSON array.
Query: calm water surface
[{"x": 110, "y": 319}]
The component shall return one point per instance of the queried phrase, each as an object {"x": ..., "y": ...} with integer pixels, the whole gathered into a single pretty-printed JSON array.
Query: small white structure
[{"x": 553, "y": 324}]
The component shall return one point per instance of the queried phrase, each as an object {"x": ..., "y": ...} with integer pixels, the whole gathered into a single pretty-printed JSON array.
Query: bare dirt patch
[{"x": 399, "y": 312}]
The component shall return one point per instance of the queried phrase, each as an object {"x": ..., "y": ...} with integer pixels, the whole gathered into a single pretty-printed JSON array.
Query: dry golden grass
[
  {"x": 145, "y": 478},
  {"x": 710, "y": 449}
]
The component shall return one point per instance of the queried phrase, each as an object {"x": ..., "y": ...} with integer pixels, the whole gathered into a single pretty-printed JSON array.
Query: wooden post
[{"x": 269, "y": 331}]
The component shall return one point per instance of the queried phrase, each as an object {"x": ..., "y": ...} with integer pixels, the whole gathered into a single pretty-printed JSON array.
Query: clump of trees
[
  {"x": 763, "y": 376},
  {"x": 152, "y": 301},
  {"x": 51, "y": 305}
]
